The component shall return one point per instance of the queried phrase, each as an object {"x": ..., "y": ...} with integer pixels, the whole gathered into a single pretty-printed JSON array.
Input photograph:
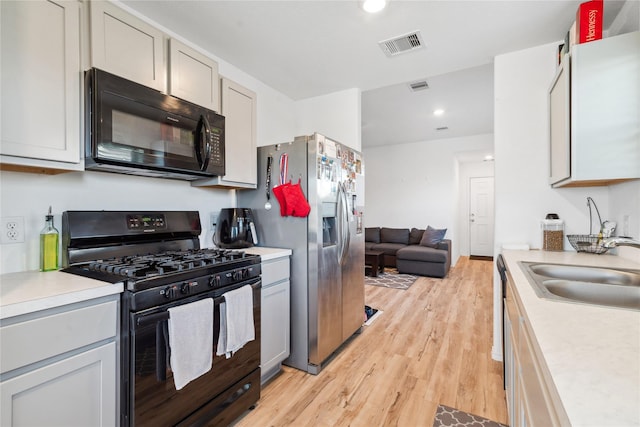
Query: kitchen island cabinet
[
  {"x": 569, "y": 363},
  {"x": 58, "y": 359},
  {"x": 529, "y": 401},
  {"x": 41, "y": 82},
  {"x": 275, "y": 345}
]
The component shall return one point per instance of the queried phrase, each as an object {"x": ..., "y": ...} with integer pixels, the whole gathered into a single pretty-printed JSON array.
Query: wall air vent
[
  {"x": 402, "y": 44},
  {"x": 442, "y": 128},
  {"x": 419, "y": 85}
]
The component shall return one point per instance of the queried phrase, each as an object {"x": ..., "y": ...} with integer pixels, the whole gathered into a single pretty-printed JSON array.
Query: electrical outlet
[
  {"x": 12, "y": 229},
  {"x": 213, "y": 218}
]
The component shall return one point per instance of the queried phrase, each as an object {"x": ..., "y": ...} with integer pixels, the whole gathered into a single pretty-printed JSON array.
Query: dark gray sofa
[{"x": 407, "y": 250}]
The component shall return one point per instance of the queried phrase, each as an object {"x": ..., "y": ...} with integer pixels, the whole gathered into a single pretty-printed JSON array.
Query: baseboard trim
[{"x": 481, "y": 258}]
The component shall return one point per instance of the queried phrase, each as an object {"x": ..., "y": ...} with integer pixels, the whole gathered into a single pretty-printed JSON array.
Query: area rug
[
  {"x": 391, "y": 279},
  {"x": 371, "y": 314},
  {"x": 450, "y": 417}
]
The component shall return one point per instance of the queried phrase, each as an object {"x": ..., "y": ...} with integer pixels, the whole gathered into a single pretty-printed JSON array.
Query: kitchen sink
[{"x": 583, "y": 284}]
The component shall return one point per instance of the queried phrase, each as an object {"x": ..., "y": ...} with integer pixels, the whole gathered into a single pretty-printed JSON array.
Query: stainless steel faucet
[{"x": 621, "y": 241}]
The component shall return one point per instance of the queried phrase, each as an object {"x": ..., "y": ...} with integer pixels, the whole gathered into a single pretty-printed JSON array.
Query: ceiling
[{"x": 307, "y": 48}]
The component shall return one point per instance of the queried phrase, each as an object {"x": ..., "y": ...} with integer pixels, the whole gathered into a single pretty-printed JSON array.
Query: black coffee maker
[{"x": 235, "y": 229}]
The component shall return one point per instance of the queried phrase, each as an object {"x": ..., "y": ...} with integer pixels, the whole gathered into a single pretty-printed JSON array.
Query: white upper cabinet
[
  {"x": 241, "y": 161},
  {"x": 41, "y": 78},
  {"x": 126, "y": 46},
  {"x": 193, "y": 76},
  {"x": 595, "y": 114}
]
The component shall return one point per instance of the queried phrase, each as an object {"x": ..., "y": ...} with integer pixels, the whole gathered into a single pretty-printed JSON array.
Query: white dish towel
[
  {"x": 191, "y": 340},
  {"x": 236, "y": 321}
]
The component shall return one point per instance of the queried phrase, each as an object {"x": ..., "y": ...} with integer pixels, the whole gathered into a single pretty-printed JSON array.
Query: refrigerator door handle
[{"x": 343, "y": 224}]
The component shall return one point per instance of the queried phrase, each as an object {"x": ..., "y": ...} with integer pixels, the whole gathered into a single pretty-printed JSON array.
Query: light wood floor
[{"x": 431, "y": 345}]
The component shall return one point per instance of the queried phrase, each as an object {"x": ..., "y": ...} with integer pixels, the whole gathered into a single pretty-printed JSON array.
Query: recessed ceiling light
[
  {"x": 373, "y": 6},
  {"x": 488, "y": 158},
  {"x": 438, "y": 112}
]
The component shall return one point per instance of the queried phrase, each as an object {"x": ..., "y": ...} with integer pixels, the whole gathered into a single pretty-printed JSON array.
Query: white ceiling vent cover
[
  {"x": 402, "y": 44},
  {"x": 419, "y": 85}
]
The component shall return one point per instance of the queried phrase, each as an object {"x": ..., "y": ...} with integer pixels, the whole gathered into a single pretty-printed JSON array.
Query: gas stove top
[
  {"x": 152, "y": 265},
  {"x": 216, "y": 267}
]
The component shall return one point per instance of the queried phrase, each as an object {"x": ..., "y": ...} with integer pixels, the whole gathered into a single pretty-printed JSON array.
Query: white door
[{"x": 481, "y": 216}]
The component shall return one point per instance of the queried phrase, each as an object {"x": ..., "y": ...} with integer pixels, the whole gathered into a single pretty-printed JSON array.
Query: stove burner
[{"x": 150, "y": 265}]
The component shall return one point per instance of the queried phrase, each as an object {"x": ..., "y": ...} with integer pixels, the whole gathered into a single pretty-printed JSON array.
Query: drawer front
[
  {"x": 275, "y": 271},
  {"x": 38, "y": 339}
]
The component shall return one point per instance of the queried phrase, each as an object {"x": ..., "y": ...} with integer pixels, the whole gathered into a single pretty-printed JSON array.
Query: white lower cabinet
[
  {"x": 59, "y": 366},
  {"x": 275, "y": 317},
  {"x": 530, "y": 399},
  {"x": 76, "y": 391}
]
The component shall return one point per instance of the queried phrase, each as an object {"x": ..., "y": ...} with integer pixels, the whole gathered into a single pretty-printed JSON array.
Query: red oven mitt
[
  {"x": 278, "y": 191},
  {"x": 296, "y": 201}
]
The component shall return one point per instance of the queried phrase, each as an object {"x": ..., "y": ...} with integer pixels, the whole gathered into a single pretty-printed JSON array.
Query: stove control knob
[
  {"x": 237, "y": 275},
  {"x": 215, "y": 281},
  {"x": 245, "y": 273},
  {"x": 171, "y": 292},
  {"x": 186, "y": 288}
]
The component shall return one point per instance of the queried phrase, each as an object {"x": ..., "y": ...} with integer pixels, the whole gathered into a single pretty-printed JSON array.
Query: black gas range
[{"x": 157, "y": 256}]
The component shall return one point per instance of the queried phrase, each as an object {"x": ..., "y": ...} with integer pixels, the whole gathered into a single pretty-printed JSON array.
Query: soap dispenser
[{"x": 49, "y": 245}]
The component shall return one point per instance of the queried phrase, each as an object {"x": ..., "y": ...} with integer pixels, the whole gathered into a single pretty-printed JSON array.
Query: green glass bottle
[{"x": 49, "y": 245}]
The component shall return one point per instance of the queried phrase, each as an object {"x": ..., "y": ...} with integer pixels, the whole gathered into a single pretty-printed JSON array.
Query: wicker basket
[{"x": 587, "y": 243}]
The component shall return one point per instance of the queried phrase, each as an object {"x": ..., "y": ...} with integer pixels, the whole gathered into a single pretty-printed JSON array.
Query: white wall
[
  {"x": 624, "y": 203},
  {"x": 416, "y": 185},
  {"x": 336, "y": 116},
  {"x": 628, "y": 19}
]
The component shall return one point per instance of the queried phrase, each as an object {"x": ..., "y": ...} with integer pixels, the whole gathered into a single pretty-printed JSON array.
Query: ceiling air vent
[
  {"x": 402, "y": 44},
  {"x": 419, "y": 85},
  {"x": 442, "y": 128}
]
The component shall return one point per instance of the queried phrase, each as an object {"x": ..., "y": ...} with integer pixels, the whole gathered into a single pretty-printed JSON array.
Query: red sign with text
[{"x": 589, "y": 21}]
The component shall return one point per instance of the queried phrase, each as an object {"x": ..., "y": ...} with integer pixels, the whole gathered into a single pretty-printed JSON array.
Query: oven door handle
[
  {"x": 152, "y": 318},
  {"x": 163, "y": 350}
]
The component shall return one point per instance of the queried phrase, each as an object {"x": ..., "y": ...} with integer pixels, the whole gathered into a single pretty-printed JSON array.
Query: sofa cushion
[
  {"x": 388, "y": 248},
  {"x": 372, "y": 234},
  {"x": 394, "y": 235},
  {"x": 415, "y": 235},
  {"x": 422, "y": 253},
  {"x": 432, "y": 236},
  {"x": 369, "y": 246}
]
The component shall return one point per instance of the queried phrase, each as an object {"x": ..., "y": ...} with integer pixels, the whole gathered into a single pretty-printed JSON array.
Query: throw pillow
[
  {"x": 432, "y": 237},
  {"x": 415, "y": 235}
]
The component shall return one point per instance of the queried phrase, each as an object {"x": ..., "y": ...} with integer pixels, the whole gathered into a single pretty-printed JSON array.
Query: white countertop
[
  {"x": 30, "y": 291},
  {"x": 592, "y": 353},
  {"x": 267, "y": 254}
]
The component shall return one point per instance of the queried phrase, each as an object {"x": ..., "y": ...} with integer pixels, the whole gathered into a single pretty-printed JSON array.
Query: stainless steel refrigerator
[{"x": 327, "y": 264}]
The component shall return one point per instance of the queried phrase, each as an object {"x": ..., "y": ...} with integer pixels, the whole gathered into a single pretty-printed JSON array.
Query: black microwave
[{"x": 136, "y": 130}]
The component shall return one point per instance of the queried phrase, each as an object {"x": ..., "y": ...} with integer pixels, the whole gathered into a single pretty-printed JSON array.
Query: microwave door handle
[{"x": 202, "y": 146}]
